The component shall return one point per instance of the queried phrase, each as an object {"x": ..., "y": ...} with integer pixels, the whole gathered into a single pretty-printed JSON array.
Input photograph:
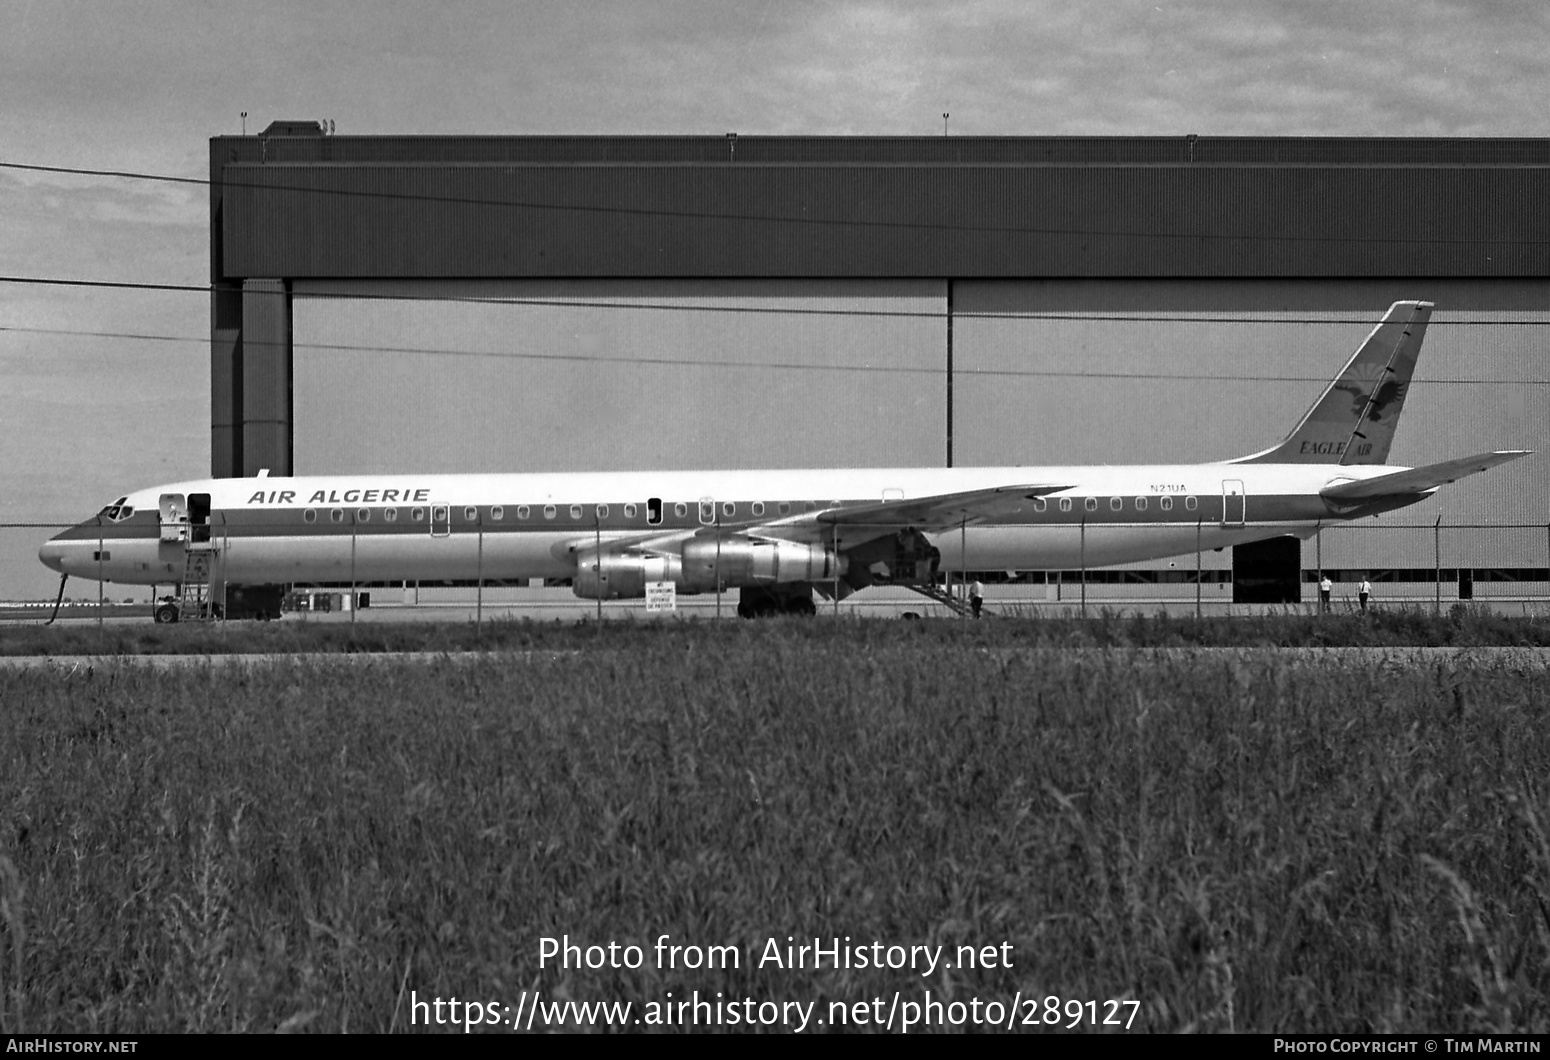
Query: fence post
[
  {"x": 1318, "y": 552},
  {"x": 99, "y": 574},
  {"x": 1084, "y": 565},
  {"x": 834, "y": 542},
  {"x": 1197, "y": 565},
  {"x": 963, "y": 561},
  {"x": 1437, "y": 563}
]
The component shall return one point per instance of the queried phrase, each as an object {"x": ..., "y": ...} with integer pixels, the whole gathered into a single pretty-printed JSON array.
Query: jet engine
[
  {"x": 622, "y": 577},
  {"x": 736, "y": 562},
  {"x": 740, "y": 561}
]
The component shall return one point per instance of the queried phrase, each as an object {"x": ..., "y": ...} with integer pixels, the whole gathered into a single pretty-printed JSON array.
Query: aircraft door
[
  {"x": 1234, "y": 502},
  {"x": 707, "y": 511},
  {"x": 441, "y": 520},
  {"x": 174, "y": 517},
  {"x": 199, "y": 516}
]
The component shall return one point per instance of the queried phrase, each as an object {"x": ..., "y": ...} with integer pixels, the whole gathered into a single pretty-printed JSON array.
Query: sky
[{"x": 142, "y": 86}]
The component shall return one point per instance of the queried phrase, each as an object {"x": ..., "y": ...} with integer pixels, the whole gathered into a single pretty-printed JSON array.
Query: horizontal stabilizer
[{"x": 1420, "y": 479}]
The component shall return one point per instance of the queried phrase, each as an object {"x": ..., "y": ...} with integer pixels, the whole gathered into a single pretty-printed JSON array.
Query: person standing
[
  {"x": 1363, "y": 591},
  {"x": 976, "y": 596},
  {"x": 1325, "y": 588}
]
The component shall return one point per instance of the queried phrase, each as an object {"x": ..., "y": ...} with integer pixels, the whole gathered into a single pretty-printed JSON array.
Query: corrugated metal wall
[
  {"x": 1011, "y": 150},
  {"x": 266, "y": 377},
  {"x": 612, "y": 375},
  {"x": 749, "y": 220},
  {"x": 1126, "y": 371},
  {"x": 1320, "y": 232}
]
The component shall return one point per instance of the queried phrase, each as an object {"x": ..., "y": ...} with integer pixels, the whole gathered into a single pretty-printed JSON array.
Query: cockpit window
[{"x": 117, "y": 511}]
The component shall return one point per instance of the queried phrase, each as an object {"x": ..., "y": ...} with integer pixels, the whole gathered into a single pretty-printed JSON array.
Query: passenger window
[
  {"x": 1191, "y": 503},
  {"x": 1039, "y": 504},
  {"x": 1065, "y": 504},
  {"x": 758, "y": 508},
  {"x": 417, "y": 514},
  {"x": 1091, "y": 504},
  {"x": 1116, "y": 504},
  {"x": 497, "y": 513},
  {"x": 707, "y": 512},
  {"x": 471, "y": 514},
  {"x": 680, "y": 509},
  {"x": 550, "y": 511},
  {"x": 1166, "y": 504},
  {"x": 629, "y": 511},
  {"x": 575, "y": 511},
  {"x": 728, "y": 509},
  {"x": 1140, "y": 504},
  {"x": 363, "y": 515},
  {"x": 523, "y": 511},
  {"x": 785, "y": 508},
  {"x": 309, "y": 516},
  {"x": 391, "y": 515},
  {"x": 602, "y": 511},
  {"x": 337, "y": 515}
]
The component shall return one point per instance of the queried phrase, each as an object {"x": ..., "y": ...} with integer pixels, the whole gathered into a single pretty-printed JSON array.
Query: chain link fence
[{"x": 1505, "y": 567}]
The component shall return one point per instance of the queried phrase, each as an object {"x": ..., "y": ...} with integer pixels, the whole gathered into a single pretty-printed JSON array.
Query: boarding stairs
[
  {"x": 941, "y": 595},
  {"x": 195, "y": 603}
]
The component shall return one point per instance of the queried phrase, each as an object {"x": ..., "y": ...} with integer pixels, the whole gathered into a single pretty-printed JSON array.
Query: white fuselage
[{"x": 360, "y": 528}]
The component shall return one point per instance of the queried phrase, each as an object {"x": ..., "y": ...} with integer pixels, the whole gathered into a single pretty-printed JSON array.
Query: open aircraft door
[{"x": 174, "y": 518}]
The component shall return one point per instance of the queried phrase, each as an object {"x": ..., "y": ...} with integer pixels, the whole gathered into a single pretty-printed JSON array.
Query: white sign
[{"x": 661, "y": 596}]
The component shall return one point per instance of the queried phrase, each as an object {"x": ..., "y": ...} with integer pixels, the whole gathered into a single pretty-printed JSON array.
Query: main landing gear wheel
[
  {"x": 757, "y": 602},
  {"x": 166, "y": 614}
]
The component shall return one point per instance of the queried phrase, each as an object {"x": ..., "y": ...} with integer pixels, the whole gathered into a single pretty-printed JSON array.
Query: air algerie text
[{"x": 353, "y": 496}]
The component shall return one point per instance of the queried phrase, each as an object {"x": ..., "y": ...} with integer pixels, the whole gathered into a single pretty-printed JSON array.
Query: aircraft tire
[{"x": 166, "y": 614}]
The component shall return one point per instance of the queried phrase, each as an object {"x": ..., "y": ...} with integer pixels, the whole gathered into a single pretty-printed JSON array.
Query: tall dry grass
[{"x": 1243, "y": 841}]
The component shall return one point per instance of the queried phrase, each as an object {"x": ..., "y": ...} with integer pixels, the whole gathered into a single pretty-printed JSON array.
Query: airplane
[{"x": 777, "y": 536}]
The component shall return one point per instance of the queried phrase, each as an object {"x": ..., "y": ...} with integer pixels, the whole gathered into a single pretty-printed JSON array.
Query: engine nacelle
[
  {"x": 743, "y": 561},
  {"x": 737, "y": 562},
  {"x": 622, "y": 577}
]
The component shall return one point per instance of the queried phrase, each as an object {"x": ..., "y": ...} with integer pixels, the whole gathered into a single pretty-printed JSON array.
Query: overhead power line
[
  {"x": 689, "y": 362},
  {"x": 776, "y": 310},
  {"x": 788, "y": 219}
]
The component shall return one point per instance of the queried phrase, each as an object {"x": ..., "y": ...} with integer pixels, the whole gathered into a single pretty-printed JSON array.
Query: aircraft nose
[{"x": 53, "y": 555}]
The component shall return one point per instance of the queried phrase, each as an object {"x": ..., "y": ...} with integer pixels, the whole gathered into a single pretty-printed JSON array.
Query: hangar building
[{"x": 576, "y": 303}]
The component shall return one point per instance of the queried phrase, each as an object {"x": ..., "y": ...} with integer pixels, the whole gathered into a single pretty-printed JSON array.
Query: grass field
[
  {"x": 1461, "y": 626},
  {"x": 1245, "y": 841}
]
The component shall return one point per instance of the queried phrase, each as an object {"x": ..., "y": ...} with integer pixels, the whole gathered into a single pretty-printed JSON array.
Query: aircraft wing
[
  {"x": 855, "y": 524},
  {"x": 862, "y": 522},
  {"x": 941, "y": 512},
  {"x": 1419, "y": 479}
]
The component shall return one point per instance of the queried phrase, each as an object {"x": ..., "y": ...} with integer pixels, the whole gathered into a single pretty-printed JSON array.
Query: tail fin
[{"x": 1353, "y": 421}]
